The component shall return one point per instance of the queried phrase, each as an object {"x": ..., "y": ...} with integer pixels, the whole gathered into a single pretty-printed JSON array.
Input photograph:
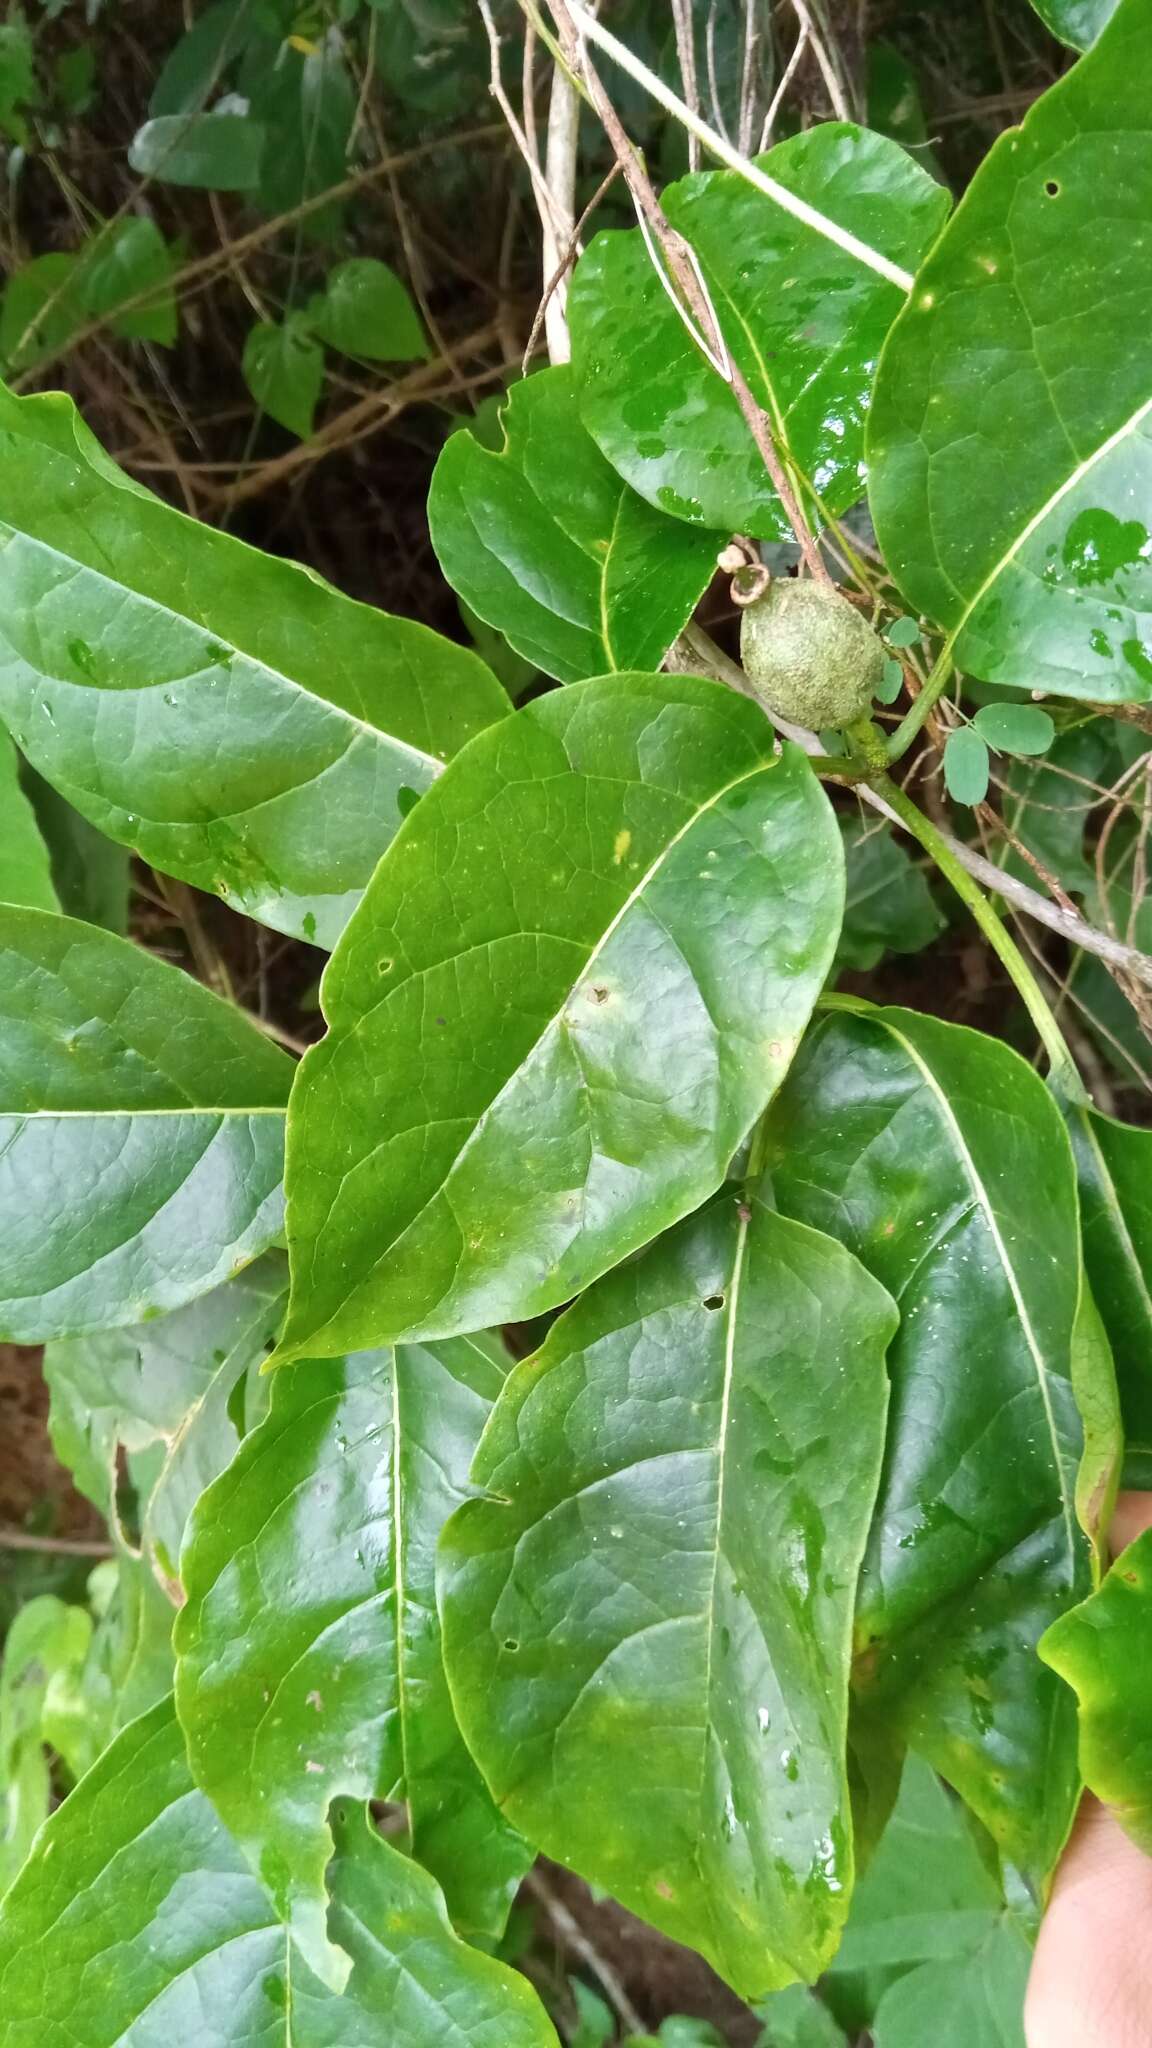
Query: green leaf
[
  {"x": 125, "y": 259},
  {"x": 796, "y": 2019},
  {"x": 966, "y": 765},
  {"x": 902, "y": 632},
  {"x": 976, "y": 2003},
  {"x": 647, "y": 1623},
  {"x": 889, "y": 906},
  {"x": 894, "y": 102},
  {"x": 364, "y": 310},
  {"x": 1115, "y": 1169},
  {"x": 296, "y": 1686},
  {"x": 45, "y": 1640},
  {"x": 803, "y": 320},
  {"x": 198, "y": 63},
  {"x": 941, "y": 1159},
  {"x": 927, "y": 1896},
  {"x": 137, "y": 1910},
  {"x": 576, "y": 980},
  {"x": 132, "y": 1387},
  {"x": 40, "y": 311},
  {"x": 305, "y": 102},
  {"x": 284, "y": 369},
  {"x": 230, "y": 715},
  {"x": 141, "y": 1131},
  {"x": 89, "y": 872},
  {"x": 1017, "y": 728},
  {"x": 25, "y": 870},
  {"x": 891, "y": 682},
  {"x": 1076, "y": 22},
  {"x": 1009, "y": 440},
  {"x": 595, "y": 2021},
  {"x": 1102, "y": 1650},
  {"x": 218, "y": 152},
  {"x": 129, "y": 1662},
  {"x": 17, "y": 73},
  {"x": 544, "y": 542}
]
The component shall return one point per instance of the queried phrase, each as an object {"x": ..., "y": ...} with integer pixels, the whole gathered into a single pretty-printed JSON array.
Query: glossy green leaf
[
  {"x": 1016, "y": 728},
  {"x": 365, "y": 310},
  {"x": 1077, "y": 22},
  {"x": 1114, "y": 1162},
  {"x": 46, "y": 1641},
  {"x": 966, "y": 766},
  {"x": 25, "y": 869},
  {"x": 647, "y": 1623},
  {"x": 803, "y": 320},
  {"x": 976, "y": 2003},
  {"x": 545, "y": 542},
  {"x": 125, "y": 259},
  {"x": 284, "y": 370},
  {"x": 141, "y": 1131},
  {"x": 137, "y": 1911},
  {"x": 1103, "y": 1649},
  {"x": 1010, "y": 438},
  {"x": 136, "y": 1386},
  {"x": 888, "y": 906},
  {"x": 576, "y": 979},
  {"x": 940, "y": 1158},
  {"x": 309, "y": 1649},
  {"x": 230, "y": 715},
  {"x": 220, "y": 152}
]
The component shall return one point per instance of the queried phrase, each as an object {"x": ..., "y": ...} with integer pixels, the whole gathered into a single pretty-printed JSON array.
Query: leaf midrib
[
  {"x": 169, "y": 611},
  {"x": 553, "y": 1022},
  {"x": 1055, "y": 498},
  {"x": 982, "y": 1196}
]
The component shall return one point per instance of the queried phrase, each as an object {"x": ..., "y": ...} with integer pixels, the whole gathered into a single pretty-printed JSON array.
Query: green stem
[
  {"x": 911, "y": 723},
  {"x": 1065, "y": 1077}
]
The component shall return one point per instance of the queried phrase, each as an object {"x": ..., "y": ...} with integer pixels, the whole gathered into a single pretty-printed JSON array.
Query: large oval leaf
[
  {"x": 296, "y": 1684},
  {"x": 546, "y": 543},
  {"x": 1010, "y": 440},
  {"x": 803, "y": 319},
  {"x": 941, "y": 1159},
  {"x": 1115, "y": 1171},
  {"x": 648, "y": 1626},
  {"x": 141, "y": 1131},
  {"x": 574, "y": 983},
  {"x": 139, "y": 1913},
  {"x": 228, "y": 714}
]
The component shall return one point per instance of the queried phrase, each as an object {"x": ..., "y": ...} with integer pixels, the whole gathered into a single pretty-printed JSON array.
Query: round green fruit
[{"x": 809, "y": 654}]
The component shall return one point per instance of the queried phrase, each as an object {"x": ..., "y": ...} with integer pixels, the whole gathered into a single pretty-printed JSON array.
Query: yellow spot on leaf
[{"x": 620, "y": 846}]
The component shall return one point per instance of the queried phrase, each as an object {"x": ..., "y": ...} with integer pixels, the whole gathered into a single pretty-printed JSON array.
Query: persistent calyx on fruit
[{"x": 809, "y": 654}]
